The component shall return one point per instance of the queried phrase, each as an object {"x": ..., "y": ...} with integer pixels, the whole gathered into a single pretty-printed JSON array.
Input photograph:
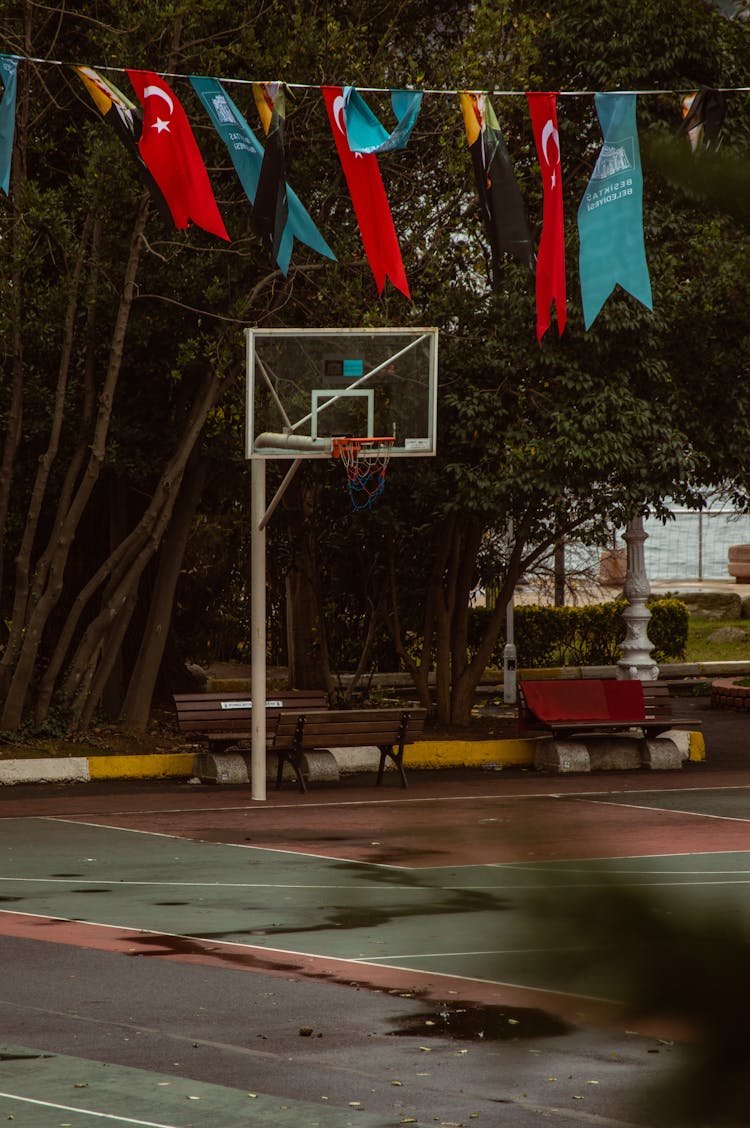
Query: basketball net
[{"x": 365, "y": 462}]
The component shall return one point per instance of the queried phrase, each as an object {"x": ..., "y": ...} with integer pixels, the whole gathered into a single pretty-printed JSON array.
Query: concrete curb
[
  {"x": 84, "y": 769},
  {"x": 425, "y": 755}
]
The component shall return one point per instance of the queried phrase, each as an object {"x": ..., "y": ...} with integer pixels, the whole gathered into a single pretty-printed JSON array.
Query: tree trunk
[
  {"x": 48, "y": 578},
  {"x": 306, "y": 668},
  {"x": 14, "y": 423},
  {"x": 44, "y": 466},
  {"x": 105, "y": 634},
  {"x": 136, "y": 708}
]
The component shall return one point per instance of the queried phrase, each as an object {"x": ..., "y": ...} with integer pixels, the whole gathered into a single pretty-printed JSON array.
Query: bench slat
[
  {"x": 388, "y": 729},
  {"x": 222, "y": 719},
  {"x": 542, "y": 705}
]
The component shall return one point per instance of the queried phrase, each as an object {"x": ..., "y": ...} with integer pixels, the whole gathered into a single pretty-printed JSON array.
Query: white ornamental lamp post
[{"x": 636, "y": 660}]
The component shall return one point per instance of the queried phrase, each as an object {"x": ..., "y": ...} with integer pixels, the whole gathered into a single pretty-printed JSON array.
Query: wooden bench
[
  {"x": 223, "y": 719},
  {"x": 590, "y": 706},
  {"x": 388, "y": 729}
]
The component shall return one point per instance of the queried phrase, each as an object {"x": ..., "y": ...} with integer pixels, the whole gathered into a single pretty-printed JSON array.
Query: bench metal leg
[
  {"x": 386, "y": 752},
  {"x": 294, "y": 756},
  {"x": 296, "y": 765}
]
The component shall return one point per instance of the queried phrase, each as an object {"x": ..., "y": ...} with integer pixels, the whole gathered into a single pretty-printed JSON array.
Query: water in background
[{"x": 694, "y": 546}]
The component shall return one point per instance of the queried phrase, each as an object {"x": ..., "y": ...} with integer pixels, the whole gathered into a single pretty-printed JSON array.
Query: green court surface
[
  {"x": 39, "y": 1090},
  {"x": 548, "y": 906},
  {"x": 513, "y": 923}
]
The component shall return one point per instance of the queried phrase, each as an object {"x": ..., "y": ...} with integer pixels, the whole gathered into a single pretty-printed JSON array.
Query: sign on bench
[{"x": 223, "y": 719}]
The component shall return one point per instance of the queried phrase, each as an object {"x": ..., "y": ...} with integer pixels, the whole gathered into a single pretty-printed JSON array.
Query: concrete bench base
[
  {"x": 234, "y": 767},
  {"x": 610, "y": 753}
]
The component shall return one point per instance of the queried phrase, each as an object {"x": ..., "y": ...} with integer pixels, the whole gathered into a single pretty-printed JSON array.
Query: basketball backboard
[{"x": 307, "y": 386}]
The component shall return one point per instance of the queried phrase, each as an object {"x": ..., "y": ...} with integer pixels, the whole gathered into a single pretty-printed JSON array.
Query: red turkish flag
[
  {"x": 369, "y": 199},
  {"x": 550, "y": 263},
  {"x": 172, "y": 156}
]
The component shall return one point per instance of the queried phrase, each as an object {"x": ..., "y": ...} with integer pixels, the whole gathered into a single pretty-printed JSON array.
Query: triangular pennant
[
  {"x": 369, "y": 199},
  {"x": 8, "y": 75},
  {"x": 550, "y": 264},
  {"x": 502, "y": 205},
  {"x": 246, "y": 152}
]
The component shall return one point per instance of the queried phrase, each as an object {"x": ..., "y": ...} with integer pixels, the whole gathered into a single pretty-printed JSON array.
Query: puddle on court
[
  {"x": 167, "y": 945},
  {"x": 482, "y": 1023}
]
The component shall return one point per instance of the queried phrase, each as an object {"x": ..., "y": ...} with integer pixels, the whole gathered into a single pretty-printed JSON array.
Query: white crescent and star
[
  {"x": 338, "y": 117},
  {"x": 156, "y": 91},
  {"x": 548, "y": 132},
  {"x": 338, "y": 113}
]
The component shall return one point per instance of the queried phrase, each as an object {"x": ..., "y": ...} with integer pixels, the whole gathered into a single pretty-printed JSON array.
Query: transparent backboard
[{"x": 307, "y": 386}]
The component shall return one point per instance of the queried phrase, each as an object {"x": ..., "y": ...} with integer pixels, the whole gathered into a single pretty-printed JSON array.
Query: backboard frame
[{"x": 297, "y": 431}]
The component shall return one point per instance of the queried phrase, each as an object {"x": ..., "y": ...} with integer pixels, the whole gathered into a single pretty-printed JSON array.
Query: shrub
[{"x": 584, "y": 636}]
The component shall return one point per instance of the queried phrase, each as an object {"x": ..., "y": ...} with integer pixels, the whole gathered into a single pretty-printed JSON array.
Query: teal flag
[
  {"x": 246, "y": 152},
  {"x": 8, "y": 73},
  {"x": 610, "y": 217},
  {"x": 366, "y": 134}
]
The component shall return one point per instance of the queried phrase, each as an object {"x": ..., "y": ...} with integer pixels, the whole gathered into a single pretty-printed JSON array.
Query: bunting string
[
  {"x": 158, "y": 135},
  {"x": 444, "y": 91}
]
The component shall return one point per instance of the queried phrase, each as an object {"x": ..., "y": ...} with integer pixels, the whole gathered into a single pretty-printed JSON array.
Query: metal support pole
[
  {"x": 258, "y": 626},
  {"x": 636, "y": 661},
  {"x": 509, "y": 657}
]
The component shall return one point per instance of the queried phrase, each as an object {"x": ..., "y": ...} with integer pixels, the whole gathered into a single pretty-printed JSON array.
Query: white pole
[
  {"x": 509, "y": 657},
  {"x": 258, "y": 626}
]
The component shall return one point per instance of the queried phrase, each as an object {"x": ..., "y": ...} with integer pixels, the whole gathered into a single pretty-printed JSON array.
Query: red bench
[{"x": 586, "y": 706}]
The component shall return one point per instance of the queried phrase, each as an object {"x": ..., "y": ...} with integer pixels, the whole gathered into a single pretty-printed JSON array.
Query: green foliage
[
  {"x": 565, "y": 439},
  {"x": 586, "y": 636}
]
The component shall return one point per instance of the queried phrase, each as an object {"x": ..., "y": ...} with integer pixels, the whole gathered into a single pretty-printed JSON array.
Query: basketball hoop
[{"x": 365, "y": 461}]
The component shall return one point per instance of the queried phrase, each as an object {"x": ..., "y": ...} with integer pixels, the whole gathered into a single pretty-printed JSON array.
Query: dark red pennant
[
  {"x": 550, "y": 263},
  {"x": 369, "y": 199}
]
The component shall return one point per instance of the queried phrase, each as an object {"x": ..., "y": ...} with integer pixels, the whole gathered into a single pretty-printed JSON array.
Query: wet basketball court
[{"x": 468, "y": 950}]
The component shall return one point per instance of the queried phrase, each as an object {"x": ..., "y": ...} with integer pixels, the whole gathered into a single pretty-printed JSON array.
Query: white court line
[
  {"x": 664, "y": 810},
  {"x": 265, "y": 952},
  {"x": 116, "y": 882},
  {"x": 88, "y": 1112},
  {"x": 288, "y": 853},
  {"x": 607, "y": 882},
  {"x": 255, "y": 805}
]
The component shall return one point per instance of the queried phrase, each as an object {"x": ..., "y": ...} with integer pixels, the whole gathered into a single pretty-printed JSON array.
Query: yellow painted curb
[
  {"x": 469, "y": 753},
  {"x": 697, "y": 746},
  {"x": 154, "y": 766}
]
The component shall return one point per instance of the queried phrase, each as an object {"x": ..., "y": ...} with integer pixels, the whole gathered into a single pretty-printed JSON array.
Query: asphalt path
[{"x": 124, "y": 1002}]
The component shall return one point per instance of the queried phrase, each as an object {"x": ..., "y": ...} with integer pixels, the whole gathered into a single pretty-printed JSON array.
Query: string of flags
[{"x": 157, "y": 133}]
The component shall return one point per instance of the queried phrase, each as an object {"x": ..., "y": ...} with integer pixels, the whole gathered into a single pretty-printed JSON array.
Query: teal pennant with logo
[
  {"x": 610, "y": 216},
  {"x": 8, "y": 69},
  {"x": 247, "y": 152}
]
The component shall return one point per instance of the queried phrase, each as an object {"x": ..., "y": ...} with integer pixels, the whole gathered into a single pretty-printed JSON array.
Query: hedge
[{"x": 584, "y": 636}]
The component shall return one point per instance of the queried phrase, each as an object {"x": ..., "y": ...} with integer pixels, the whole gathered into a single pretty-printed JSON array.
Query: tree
[
  {"x": 132, "y": 455},
  {"x": 142, "y": 326},
  {"x": 592, "y": 427}
]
